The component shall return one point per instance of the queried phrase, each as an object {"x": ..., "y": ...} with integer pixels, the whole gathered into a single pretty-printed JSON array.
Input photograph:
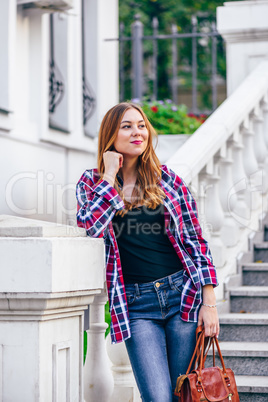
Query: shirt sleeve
[
  {"x": 97, "y": 204},
  {"x": 193, "y": 240}
]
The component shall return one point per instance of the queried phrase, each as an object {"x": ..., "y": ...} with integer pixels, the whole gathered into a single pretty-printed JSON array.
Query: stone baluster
[
  {"x": 241, "y": 212},
  {"x": 264, "y": 106},
  {"x": 197, "y": 187},
  {"x": 253, "y": 173},
  {"x": 125, "y": 388},
  {"x": 260, "y": 147},
  {"x": 214, "y": 213},
  {"x": 98, "y": 379},
  {"x": 201, "y": 204},
  {"x": 230, "y": 229}
]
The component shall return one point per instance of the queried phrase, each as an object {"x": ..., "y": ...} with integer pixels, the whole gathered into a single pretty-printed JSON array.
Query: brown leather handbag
[{"x": 213, "y": 384}]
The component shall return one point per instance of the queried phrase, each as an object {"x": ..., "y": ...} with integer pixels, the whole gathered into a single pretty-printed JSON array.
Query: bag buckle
[
  {"x": 199, "y": 386},
  {"x": 227, "y": 380}
]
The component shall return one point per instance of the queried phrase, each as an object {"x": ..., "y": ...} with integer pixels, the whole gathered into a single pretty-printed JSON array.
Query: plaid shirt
[{"x": 98, "y": 202}]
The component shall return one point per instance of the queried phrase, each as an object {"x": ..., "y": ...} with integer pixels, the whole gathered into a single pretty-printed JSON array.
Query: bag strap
[
  {"x": 199, "y": 336},
  {"x": 214, "y": 340},
  {"x": 202, "y": 347}
]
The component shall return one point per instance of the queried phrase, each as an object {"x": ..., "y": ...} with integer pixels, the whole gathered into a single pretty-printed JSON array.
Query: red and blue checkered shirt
[{"x": 98, "y": 202}]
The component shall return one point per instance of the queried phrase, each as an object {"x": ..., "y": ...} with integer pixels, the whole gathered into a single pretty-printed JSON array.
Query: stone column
[
  {"x": 49, "y": 275},
  {"x": 244, "y": 27}
]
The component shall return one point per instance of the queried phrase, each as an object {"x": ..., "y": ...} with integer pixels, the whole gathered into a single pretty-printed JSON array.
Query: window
[
  {"x": 58, "y": 73},
  {"x": 89, "y": 98}
]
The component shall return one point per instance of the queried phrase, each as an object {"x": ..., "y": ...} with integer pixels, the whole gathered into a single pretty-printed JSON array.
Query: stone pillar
[
  {"x": 244, "y": 27},
  {"x": 49, "y": 275}
]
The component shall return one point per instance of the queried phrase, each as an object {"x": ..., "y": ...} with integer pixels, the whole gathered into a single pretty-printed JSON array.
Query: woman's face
[{"x": 132, "y": 137}]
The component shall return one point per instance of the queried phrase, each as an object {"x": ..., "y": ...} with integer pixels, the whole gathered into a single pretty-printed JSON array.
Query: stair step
[
  {"x": 244, "y": 358},
  {"x": 249, "y": 299},
  {"x": 261, "y": 251},
  {"x": 255, "y": 274},
  {"x": 244, "y": 327},
  {"x": 252, "y": 388}
]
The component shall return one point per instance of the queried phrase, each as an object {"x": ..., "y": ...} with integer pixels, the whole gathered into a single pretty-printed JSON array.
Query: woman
[{"x": 160, "y": 275}]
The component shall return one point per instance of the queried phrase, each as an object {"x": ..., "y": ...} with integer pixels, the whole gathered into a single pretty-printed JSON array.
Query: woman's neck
[{"x": 129, "y": 170}]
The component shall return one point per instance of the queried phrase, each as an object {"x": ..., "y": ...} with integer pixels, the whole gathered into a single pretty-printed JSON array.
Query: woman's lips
[{"x": 136, "y": 142}]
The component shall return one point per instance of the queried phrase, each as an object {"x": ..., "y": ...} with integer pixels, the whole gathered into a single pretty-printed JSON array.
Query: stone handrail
[
  {"x": 213, "y": 134},
  {"x": 225, "y": 164}
]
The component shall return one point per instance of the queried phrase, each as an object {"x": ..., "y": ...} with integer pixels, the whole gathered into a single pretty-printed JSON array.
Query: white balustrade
[{"x": 228, "y": 155}]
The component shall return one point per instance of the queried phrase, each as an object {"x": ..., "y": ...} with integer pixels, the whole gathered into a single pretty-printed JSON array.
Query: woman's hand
[
  {"x": 113, "y": 161},
  {"x": 208, "y": 316}
]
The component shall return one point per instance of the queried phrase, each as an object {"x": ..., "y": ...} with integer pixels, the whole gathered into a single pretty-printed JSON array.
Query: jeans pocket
[{"x": 131, "y": 297}]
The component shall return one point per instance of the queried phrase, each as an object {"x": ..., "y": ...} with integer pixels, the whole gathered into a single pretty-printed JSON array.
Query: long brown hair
[{"x": 147, "y": 190}]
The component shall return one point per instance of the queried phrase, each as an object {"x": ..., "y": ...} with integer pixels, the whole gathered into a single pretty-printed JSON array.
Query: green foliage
[
  {"x": 85, "y": 345},
  {"x": 107, "y": 318},
  {"x": 168, "y": 118}
]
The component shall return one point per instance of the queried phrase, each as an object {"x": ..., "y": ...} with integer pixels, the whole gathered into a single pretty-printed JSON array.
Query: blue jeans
[{"x": 161, "y": 344}]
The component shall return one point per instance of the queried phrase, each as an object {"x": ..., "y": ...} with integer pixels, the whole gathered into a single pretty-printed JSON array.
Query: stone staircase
[{"x": 244, "y": 330}]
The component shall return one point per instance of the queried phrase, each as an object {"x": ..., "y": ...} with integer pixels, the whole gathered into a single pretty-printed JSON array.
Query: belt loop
[
  {"x": 171, "y": 284},
  {"x": 137, "y": 289}
]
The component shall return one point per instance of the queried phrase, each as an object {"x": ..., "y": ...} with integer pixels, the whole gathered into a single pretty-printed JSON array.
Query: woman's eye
[
  {"x": 127, "y": 126},
  {"x": 142, "y": 126}
]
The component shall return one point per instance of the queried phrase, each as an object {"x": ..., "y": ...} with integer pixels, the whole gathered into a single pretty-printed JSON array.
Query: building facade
[{"x": 58, "y": 76}]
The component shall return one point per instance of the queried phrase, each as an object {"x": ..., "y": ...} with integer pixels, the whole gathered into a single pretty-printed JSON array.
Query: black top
[{"x": 146, "y": 252}]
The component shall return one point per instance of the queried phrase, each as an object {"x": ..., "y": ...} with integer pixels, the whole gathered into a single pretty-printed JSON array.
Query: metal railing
[{"x": 137, "y": 60}]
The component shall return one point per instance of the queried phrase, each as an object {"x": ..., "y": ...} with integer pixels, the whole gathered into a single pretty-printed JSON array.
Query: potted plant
[{"x": 172, "y": 123}]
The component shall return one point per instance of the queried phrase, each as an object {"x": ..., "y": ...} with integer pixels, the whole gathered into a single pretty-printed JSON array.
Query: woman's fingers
[
  {"x": 113, "y": 161},
  {"x": 209, "y": 318}
]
